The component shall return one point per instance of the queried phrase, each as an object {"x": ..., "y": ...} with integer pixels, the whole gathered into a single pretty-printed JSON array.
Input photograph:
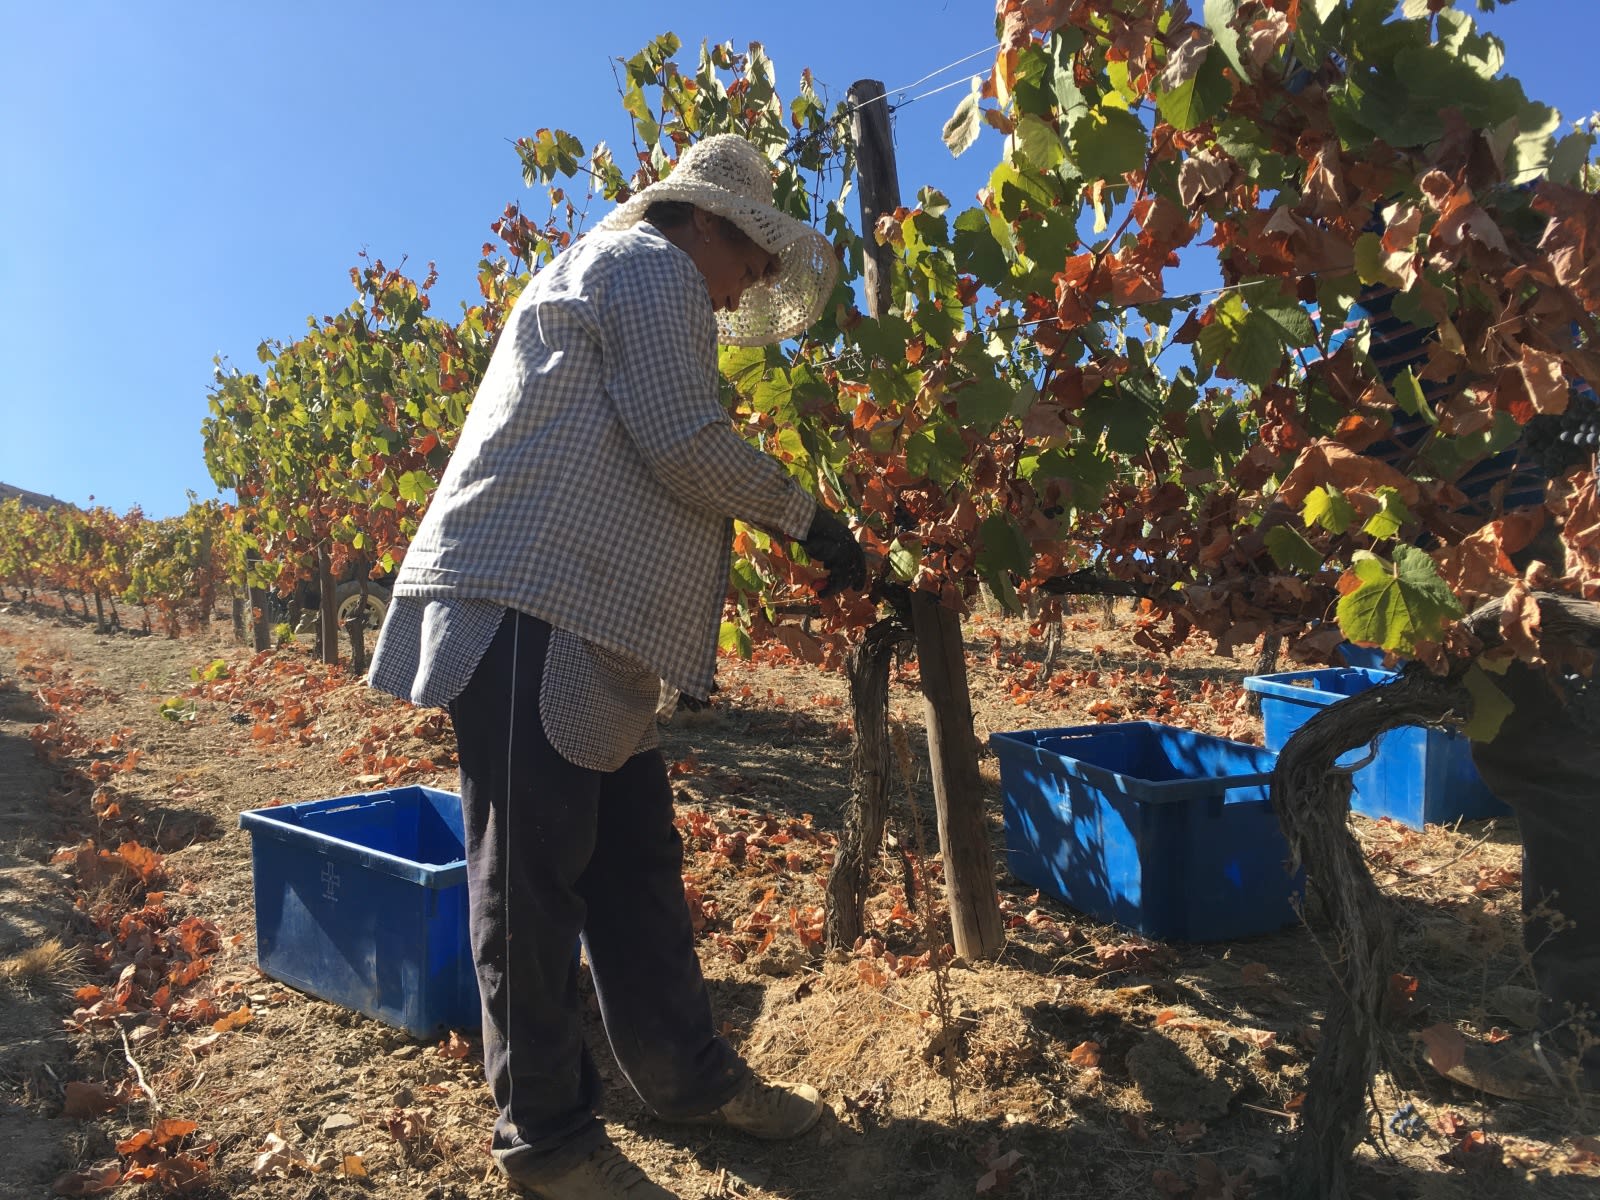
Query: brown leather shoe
[
  {"x": 773, "y": 1110},
  {"x": 604, "y": 1175}
]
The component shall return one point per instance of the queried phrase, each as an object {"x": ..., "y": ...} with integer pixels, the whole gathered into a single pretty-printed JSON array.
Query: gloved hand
[{"x": 830, "y": 543}]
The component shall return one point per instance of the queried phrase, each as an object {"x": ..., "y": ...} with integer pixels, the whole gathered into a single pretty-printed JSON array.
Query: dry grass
[{"x": 50, "y": 965}]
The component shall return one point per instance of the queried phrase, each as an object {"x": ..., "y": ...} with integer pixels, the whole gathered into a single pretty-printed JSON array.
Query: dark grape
[
  {"x": 1583, "y": 701},
  {"x": 1557, "y": 442}
]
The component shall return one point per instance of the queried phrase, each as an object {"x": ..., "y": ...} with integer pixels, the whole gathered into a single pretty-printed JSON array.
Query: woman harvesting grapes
[{"x": 575, "y": 557}]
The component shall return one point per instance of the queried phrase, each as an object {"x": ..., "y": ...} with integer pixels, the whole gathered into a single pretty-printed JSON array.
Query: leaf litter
[{"x": 1047, "y": 1049}]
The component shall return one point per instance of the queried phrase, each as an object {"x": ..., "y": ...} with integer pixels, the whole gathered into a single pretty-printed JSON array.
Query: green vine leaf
[
  {"x": 1107, "y": 143},
  {"x": 1037, "y": 142},
  {"x": 1327, "y": 507},
  {"x": 1219, "y": 18},
  {"x": 1291, "y": 551},
  {"x": 1490, "y": 706},
  {"x": 1395, "y": 605},
  {"x": 937, "y": 452},
  {"x": 1198, "y": 99},
  {"x": 1390, "y": 518}
]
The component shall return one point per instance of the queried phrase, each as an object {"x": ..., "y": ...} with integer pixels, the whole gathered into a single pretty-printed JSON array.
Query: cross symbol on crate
[{"x": 330, "y": 882}]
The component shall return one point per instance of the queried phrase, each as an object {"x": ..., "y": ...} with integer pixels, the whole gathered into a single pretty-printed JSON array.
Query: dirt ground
[{"x": 145, "y": 1053}]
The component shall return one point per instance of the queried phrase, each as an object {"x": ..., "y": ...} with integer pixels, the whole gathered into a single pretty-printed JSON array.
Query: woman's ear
[{"x": 705, "y": 224}]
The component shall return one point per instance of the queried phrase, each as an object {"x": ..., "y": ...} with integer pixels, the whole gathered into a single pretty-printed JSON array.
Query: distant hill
[{"x": 29, "y": 499}]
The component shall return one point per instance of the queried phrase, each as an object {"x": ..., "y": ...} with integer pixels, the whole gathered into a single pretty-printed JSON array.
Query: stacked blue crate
[
  {"x": 1417, "y": 776},
  {"x": 1166, "y": 831}
]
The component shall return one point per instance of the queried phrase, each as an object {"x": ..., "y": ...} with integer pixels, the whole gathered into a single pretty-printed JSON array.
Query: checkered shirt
[
  {"x": 597, "y": 707},
  {"x": 596, "y": 473}
]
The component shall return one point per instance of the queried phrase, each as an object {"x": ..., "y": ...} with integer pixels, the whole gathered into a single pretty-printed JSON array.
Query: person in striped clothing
[{"x": 1544, "y": 763}]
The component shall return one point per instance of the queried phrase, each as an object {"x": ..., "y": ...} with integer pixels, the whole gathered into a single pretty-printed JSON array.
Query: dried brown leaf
[
  {"x": 1444, "y": 1047},
  {"x": 1085, "y": 1055},
  {"x": 84, "y": 1100},
  {"x": 88, "y": 1181}
]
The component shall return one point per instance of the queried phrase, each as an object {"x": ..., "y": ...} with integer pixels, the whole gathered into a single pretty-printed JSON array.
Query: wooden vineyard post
[
  {"x": 957, "y": 788},
  {"x": 952, "y": 748},
  {"x": 327, "y": 623}
]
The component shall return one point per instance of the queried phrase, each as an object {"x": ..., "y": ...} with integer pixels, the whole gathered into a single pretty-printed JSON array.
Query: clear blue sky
[{"x": 184, "y": 180}]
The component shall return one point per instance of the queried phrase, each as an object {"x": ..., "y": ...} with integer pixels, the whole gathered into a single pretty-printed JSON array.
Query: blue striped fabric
[{"x": 1497, "y": 484}]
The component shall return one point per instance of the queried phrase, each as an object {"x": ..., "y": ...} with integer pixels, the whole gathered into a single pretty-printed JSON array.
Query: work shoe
[
  {"x": 773, "y": 1111},
  {"x": 604, "y": 1175}
]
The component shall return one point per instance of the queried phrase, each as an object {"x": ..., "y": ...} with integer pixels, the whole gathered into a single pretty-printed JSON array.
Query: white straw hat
[{"x": 726, "y": 175}]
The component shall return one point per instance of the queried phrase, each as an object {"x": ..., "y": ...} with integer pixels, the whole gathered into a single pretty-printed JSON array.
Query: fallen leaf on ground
[
  {"x": 87, "y": 1100},
  {"x": 89, "y": 1181},
  {"x": 278, "y": 1158},
  {"x": 237, "y": 1019},
  {"x": 1402, "y": 993},
  {"x": 1585, "y": 1152},
  {"x": 1473, "y": 1152},
  {"x": 172, "y": 1129},
  {"x": 1085, "y": 1055},
  {"x": 1168, "y": 1183},
  {"x": 1000, "y": 1172},
  {"x": 1450, "y": 1123},
  {"x": 1445, "y": 1048}
]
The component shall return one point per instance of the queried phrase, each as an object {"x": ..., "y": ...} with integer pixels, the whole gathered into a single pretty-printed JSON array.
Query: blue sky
[{"x": 185, "y": 180}]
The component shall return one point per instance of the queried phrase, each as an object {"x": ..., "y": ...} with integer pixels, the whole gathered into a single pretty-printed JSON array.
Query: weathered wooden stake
[
  {"x": 952, "y": 749},
  {"x": 327, "y": 619}
]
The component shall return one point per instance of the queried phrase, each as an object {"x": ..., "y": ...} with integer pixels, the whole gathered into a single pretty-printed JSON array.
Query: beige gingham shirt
[{"x": 592, "y": 487}]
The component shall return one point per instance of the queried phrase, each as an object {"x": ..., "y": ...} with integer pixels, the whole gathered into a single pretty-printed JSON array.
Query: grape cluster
[
  {"x": 1406, "y": 1121},
  {"x": 1583, "y": 701},
  {"x": 1557, "y": 442}
]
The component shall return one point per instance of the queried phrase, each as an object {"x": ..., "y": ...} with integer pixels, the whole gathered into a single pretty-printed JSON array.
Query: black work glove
[
  {"x": 830, "y": 543},
  {"x": 692, "y": 704}
]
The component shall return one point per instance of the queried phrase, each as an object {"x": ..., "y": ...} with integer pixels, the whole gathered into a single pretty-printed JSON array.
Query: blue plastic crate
[
  {"x": 1163, "y": 830},
  {"x": 362, "y": 900},
  {"x": 1418, "y": 775},
  {"x": 1368, "y": 657}
]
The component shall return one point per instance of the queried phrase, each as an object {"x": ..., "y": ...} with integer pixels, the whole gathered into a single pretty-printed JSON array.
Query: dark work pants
[
  {"x": 555, "y": 851},
  {"x": 1547, "y": 769}
]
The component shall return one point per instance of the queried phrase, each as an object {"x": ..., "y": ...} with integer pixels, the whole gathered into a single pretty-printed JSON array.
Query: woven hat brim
[{"x": 772, "y": 310}]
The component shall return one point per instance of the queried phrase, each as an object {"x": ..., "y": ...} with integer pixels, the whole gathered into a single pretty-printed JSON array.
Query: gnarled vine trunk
[
  {"x": 870, "y": 759},
  {"x": 1312, "y": 799}
]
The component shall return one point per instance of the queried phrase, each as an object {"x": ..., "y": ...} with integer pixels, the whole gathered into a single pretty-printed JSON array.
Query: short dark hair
[{"x": 669, "y": 214}]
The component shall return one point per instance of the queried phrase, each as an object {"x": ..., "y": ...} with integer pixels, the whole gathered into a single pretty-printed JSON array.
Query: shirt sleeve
[{"x": 659, "y": 346}]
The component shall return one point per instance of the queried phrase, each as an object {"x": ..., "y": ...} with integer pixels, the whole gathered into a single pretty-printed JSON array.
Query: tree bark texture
[
  {"x": 870, "y": 777},
  {"x": 1266, "y": 664},
  {"x": 963, "y": 836},
  {"x": 957, "y": 788},
  {"x": 358, "y": 629},
  {"x": 327, "y": 622},
  {"x": 260, "y": 619},
  {"x": 1312, "y": 799},
  {"x": 878, "y": 181}
]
